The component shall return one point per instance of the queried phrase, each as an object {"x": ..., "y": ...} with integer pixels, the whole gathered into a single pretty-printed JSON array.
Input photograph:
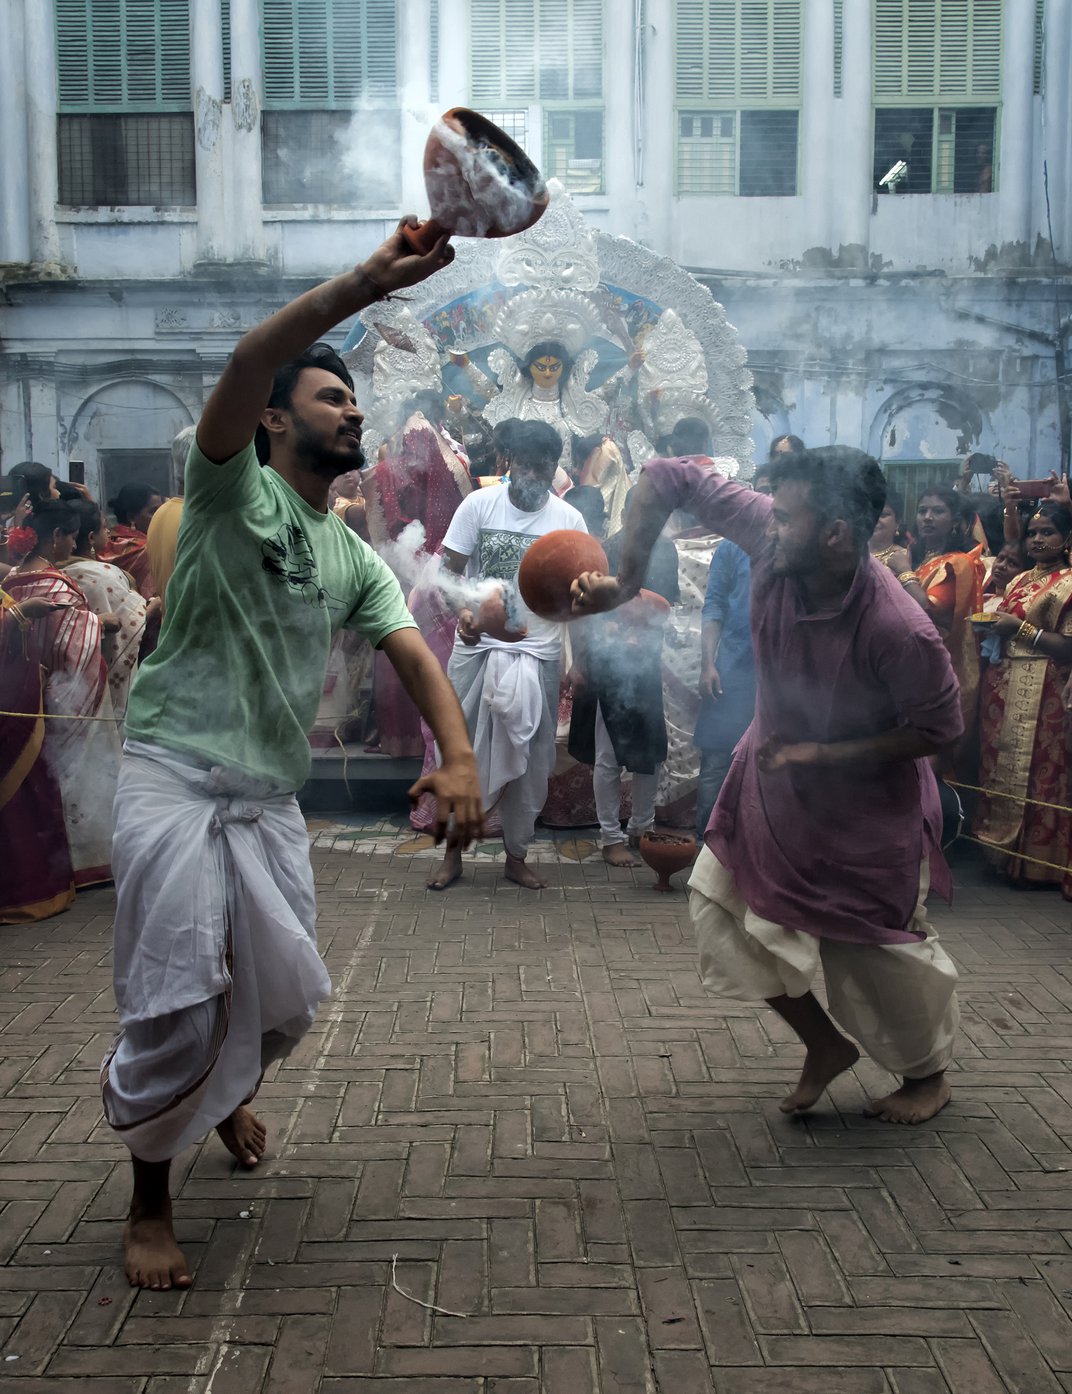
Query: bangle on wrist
[
  {"x": 907, "y": 577},
  {"x": 379, "y": 292},
  {"x": 1027, "y": 632},
  {"x": 1038, "y": 635}
]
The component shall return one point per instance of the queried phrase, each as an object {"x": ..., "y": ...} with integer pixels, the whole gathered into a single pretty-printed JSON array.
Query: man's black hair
[
  {"x": 89, "y": 519},
  {"x": 843, "y": 485},
  {"x": 33, "y": 479},
  {"x": 318, "y": 355},
  {"x": 534, "y": 443},
  {"x": 691, "y": 436},
  {"x": 131, "y": 499},
  {"x": 795, "y": 444}
]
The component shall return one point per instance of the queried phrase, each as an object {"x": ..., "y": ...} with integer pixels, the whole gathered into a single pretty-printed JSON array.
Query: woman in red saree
[
  {"x": 133, "y": 507},
  {"x": 944, "y": 573},
  {"x": 1026, "y": 729},
  {"x": 418, "y": 479},
  {"x": 63, "y": 654}
]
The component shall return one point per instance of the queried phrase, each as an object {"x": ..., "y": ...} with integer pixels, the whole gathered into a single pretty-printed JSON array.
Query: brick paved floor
[{"x": 528, "y": 1099}]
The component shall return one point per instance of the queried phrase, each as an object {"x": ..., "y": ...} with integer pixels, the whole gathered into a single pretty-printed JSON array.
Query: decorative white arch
[{"x": 127, "y": 414}]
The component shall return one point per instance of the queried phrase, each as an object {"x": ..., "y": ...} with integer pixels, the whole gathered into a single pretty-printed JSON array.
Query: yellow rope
[
  {"x": 1018, "y": 856},
  {"x": 1000, "y": 794}
]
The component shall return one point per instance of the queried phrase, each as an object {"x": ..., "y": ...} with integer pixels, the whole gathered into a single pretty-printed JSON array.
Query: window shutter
[
  {"x": 937, "y": 50},
  {"x": 839, "y": 47},
  {"x": 535, "y": 50},
  {"x": 738, "y": 52},
  {"x": 123, "y": 55},
  {"x": 225, "y": 39},
  {"x": 327, "y": 54},
  {"x": 1040, "y": 46}
]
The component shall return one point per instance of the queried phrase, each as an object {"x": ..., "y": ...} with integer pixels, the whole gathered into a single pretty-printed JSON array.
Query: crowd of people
[{"x": 811, "y": 677}]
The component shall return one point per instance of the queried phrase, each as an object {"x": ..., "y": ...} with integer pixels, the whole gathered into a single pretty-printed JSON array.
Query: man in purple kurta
[{"x": 825, "y": 836}]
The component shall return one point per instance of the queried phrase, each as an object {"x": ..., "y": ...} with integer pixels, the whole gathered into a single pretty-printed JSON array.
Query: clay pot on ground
[
  {"x": 667, "y": 853},
  {"x": 493, "y": 620},
  {"x": 550, "y": 567}
]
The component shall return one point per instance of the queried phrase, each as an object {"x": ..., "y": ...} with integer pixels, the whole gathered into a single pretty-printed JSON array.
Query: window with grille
[
  {"x": 1040, "y": 47},
  {"x": 330, "y": 123},
  {"x": 125, "y": 123},
  {"x": 937, "y": 94},
  {"x": 737, "y": 91},
  {"x": 545, "y": 53}
]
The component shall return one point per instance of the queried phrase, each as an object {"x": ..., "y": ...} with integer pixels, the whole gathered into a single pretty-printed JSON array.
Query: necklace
[{"x": 884, "y": 555}]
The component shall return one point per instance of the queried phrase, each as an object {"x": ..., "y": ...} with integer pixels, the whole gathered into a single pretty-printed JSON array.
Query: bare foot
[
  {"x": 915, "y": 1101},
  {"x": 519, "y": 871},
  {"x": 153, "y": 1258},
  {"x": 244, "y": 1136},
  {"x": 820, "y": 1068},
  {"x": 618, "y": 854},
  {"x": 448, "y": 871}
]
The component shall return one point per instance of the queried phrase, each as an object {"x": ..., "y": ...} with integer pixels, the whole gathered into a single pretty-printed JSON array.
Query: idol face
[{"x": 546, "y": 371}]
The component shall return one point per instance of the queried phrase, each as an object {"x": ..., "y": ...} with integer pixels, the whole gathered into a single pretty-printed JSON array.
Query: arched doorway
[
  {"x": 123, "y": 432},
  {"x": 920, "y": 436}
]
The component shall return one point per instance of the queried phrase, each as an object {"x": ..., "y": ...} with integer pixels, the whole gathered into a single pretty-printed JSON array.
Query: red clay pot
[
  {"x": 493, "y": 621},
  {"x": 550, "y": 567},
  {"x": 667, "y": 853},
  {"x": 479, "y": 182}
]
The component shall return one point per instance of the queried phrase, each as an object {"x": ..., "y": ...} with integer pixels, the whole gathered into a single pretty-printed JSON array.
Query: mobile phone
[
  {"x": 76, "y": 471},
  {"x": 1034, "y": 489}
]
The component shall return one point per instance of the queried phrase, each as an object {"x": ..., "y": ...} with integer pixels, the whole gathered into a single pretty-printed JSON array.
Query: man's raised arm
[{"x": 234, "y": 408}]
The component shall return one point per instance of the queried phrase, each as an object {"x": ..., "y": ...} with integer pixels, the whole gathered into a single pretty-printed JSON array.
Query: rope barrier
[
  {"x": 1017, "y": 856},
  {"x": 59, "y": 716},
  {"x": 1000, "y": 794}
]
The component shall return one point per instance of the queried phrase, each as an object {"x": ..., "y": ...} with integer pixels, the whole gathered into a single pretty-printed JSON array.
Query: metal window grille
[
  {"x": 737, "y": 81},
  {"x": 947, "y": 150},
  {"x": 349, "y": 159},
  {"x": 118, "y": 159},
  {"x": 514, "y": 123},
  {"x": 225, "y": 35},
  {"x": 573, "y": 149}
]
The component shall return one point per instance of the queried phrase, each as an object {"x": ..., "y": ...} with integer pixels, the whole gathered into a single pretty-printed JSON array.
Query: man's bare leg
[
  {"x": 519, "y": 871},
  {"x": 244, "y": 1136},
  {"x": 448, "y": 871},
  {"x": 153, "y": 1257},
  {"x": 915, "y": 1101},
  {"x": 829, "y": 1052}
]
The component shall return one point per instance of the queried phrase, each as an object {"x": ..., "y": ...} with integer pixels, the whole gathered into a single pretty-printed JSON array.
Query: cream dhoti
[
  {"x": 898, "y": 1000},
  {"x": 216, "y": 972},
  {"x": 510, "y": 701}
]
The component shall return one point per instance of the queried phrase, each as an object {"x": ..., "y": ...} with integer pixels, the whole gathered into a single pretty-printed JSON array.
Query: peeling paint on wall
[
  {"x": 208, "y": 113},
  {"x": 244, "y": 108}
]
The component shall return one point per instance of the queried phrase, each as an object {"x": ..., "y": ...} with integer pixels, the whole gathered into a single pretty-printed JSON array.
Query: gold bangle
[
  {"x": 907, "y": 577},
  {"x": 1027, "y": 632}
]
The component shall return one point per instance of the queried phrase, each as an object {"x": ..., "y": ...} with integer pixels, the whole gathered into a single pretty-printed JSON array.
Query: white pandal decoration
[{"x": 566, "y": 283}]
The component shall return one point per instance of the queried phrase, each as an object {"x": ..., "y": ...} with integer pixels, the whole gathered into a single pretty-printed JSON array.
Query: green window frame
[
  {"x": 738, "y": 87},
  {"x": 546, "y": 53},
  {"x": 940, "y": 65},
  {"x": 328, "y": 55}
]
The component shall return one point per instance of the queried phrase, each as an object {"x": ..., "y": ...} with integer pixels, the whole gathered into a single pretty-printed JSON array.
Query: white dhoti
[
  {"x": 216, "y": 967},
  {"x": 898, "y": 1000},
  {"x": 510, "y": 701}
]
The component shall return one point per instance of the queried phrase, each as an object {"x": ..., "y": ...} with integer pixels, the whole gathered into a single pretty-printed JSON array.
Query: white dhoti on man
[
  {"x": 898, "y": 1000},
  {"x": 216, "y": 971},
  {"x": 510, "y": 701}
]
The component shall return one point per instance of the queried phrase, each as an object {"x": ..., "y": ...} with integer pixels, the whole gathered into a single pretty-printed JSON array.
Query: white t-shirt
[{"x": 495, "y": 535}]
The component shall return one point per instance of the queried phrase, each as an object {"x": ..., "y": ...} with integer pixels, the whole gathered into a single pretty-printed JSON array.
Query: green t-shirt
[{"x": 261, "y": 583}]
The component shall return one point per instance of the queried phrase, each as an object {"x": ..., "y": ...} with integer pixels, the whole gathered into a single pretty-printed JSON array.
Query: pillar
[
  {"x": 620, "y": 148},
  {"x": 41, "y": 99},
  {"x": 414, "y": 30},
  {"x": 852, "y": 159},
  {"x": 817, "y": 122},
  {"x": 453, "y": 54},
  {"x": 14, "y": 167},
  {"x": 1015, "y": 163},
  {"x": 656, "y": 203},
  {"x": 247, "y": 91},
  {"x": 206, "y": 81}
]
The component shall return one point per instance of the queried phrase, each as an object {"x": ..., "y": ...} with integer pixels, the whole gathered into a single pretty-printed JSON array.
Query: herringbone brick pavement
[{"x": 529, "y": 1101}]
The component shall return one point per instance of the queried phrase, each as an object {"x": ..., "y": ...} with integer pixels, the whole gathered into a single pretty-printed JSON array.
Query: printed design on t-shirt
[
  {"x": 499, "y": 553},
  {"x": 288, "y": 557}
]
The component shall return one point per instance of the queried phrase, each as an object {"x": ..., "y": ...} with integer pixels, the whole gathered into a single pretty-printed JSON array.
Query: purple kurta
[{"x": 833, "y": 852}]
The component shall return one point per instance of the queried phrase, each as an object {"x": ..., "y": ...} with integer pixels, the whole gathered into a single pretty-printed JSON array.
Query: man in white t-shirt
[{"x": 508, "y": 691}]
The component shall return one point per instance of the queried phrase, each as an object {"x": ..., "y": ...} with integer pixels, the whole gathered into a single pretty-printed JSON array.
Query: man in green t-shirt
[{"x": 216, "y": 968}]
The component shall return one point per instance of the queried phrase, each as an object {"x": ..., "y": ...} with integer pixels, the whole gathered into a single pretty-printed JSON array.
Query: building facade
[{"x": 879, "y": 192}]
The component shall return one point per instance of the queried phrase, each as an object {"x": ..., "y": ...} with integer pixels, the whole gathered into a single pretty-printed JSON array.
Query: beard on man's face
[{"x": 327, "y": 456}]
